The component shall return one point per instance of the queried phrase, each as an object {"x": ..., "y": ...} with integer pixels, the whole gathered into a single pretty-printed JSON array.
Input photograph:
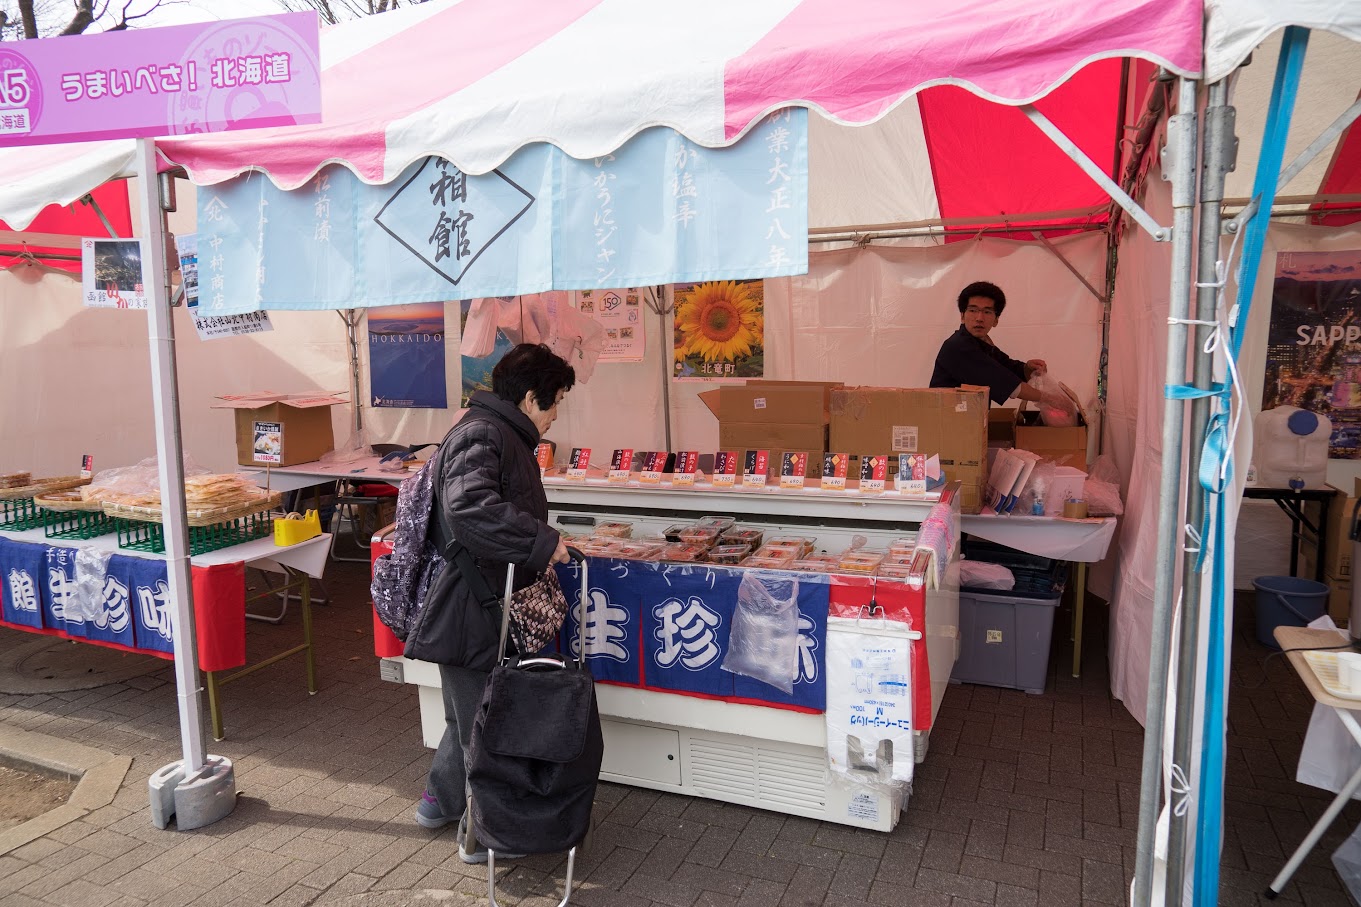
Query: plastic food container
[
  {"x": 895, "y": 571},
  {"x": 682, "y": 552},
  {"x": 817, "y": 566},
  {"x": 700, "y": 535},
  {"x": 673, "y": 532},
  {"x": 801, "y": 547},
  {"x": 767, "y": 563},
  {"x": 860, "y": 561},
  {"x": 638, "y": 551},
  {"x": 774, "y": 552},
  {"x": 722, "y": 523},
  {"x": 615, "y": 530},
  {"x": 741, "y": 535},
  {"x": 729, "y": 554}
]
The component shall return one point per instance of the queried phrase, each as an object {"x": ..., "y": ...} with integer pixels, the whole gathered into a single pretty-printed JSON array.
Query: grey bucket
[{"x": 1287, "y": 601}]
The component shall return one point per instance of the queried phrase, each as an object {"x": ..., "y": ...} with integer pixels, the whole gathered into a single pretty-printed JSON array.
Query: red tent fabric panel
[
  {"x": 991, "y": 162},
  {"x": 77, "y": 220},
  {"x": 1343, "y": 178}
]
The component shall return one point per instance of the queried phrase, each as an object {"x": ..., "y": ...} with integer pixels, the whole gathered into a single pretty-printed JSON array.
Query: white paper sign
[
  {"x": 620, "y": 315},
  {"x": 211, "y": 327},
  {"x": 268, "y": 444}
]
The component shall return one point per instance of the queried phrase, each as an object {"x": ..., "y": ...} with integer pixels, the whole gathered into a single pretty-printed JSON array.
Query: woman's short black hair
[
  {"x": 986, "y": 290},
  {"x": 532, "y": 367}
]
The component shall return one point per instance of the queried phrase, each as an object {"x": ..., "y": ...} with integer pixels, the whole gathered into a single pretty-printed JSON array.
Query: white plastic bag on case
[
  {"x": 764, "y": 643},
  {"x": 869, "y": 704}
]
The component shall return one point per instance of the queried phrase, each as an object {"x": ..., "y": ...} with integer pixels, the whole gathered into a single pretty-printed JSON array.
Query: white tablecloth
[{"x": 1065, "y": 540}]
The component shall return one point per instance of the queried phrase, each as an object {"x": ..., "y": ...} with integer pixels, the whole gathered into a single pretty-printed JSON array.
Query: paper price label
[
  {"x": 911, "y": 474},
  {"x": 755, "y": 464},
  {"x": 87, "y": 466},
  {"x": 544, "y": 455},
  {"x": 580, "y": 461},
  {"x": 621, "y": 464},
  {"x": 654, "y": 462},
  {"x": 873, "y": 470},
  {"x": 793, "y": 469},
  {"x": 725, "y": 469},
  {"x": 834, "y": 471}
]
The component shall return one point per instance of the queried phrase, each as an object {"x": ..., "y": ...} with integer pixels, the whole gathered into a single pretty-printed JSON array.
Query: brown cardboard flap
[
  {"x": 788, "y": 404},
  {"x": 710, "y": 399}
]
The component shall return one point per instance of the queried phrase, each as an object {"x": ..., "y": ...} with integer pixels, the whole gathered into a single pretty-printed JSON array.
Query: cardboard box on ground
[
  {"x": 952, "y": 423},
  {"x": 305, "y": 418},
  {"x": 1337, "y": 565},
  {"x": 773, "y": 415}
]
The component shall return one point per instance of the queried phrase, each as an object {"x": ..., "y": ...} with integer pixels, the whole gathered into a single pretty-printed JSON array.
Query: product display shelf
[
  {"x": 767, "y": 757},
  {"x": 75, "y": 524},
  {"x": 139, "y": 535}
]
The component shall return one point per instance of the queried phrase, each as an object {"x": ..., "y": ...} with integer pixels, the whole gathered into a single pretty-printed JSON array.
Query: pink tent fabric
[{"x": 588, "y": 74}]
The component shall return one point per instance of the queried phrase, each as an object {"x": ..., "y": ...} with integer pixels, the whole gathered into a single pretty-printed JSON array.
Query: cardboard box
[
  {"x": 1002, "y": 426},
  {"x": 306, "y": 421},
  {"x": 950, "y": 422},
  {"x": 772, "y": 415},
  {"x": 776, "y": 438},
  {"x": 1065, "y": 446},
  {"x": 1338, "y": 557}
]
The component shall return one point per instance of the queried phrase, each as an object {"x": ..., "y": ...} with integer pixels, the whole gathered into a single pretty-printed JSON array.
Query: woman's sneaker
[
  {"x": 428, "y": 814},
  {"x": 480, "y": 855}
]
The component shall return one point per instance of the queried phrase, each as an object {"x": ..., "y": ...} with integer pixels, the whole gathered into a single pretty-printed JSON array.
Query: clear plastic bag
[
  {"x": 139, "y": 484},
  {"x": 764, "y": 644},
  {"x": 356, "y": 447},
  {"x": 982, "y": 575},
  {"x": 1036, "y": 491},
  {"x": 1057, "y": 407}
]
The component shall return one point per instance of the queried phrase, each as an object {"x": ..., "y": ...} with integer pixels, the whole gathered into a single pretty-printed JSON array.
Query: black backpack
[{"x": 402, "y": 578}]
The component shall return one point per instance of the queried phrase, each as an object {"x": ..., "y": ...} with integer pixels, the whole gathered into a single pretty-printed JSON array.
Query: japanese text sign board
[{"x": 178, "y": 80}]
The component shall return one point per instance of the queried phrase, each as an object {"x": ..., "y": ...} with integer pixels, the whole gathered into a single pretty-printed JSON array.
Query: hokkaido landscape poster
[{"x": 406, "y": 356}]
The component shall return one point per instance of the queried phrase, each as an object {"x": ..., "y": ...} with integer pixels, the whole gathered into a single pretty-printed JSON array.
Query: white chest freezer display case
[{"x": 660, "y": 634}]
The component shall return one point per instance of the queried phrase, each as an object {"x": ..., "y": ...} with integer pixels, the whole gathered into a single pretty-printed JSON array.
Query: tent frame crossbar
[
  {"x": 1316, "y": 147},
  {"x": 1063, "y": 259}
]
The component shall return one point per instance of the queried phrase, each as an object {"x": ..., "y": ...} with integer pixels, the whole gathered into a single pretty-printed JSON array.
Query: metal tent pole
[
  {"x": 1217, "y": 161},
  {"x": 198, "y": 790},
  {"x": 1179, "y": 158}
]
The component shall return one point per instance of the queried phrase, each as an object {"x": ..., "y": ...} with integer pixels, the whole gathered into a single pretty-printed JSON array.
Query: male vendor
[{"x": 968, "y": 356}]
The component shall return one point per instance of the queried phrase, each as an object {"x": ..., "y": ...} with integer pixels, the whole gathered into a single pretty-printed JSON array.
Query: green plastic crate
[
  {"x": 135, "y": 535},
  {"x": 76, "y": 524},
  {"x": 20, "y": 514}
]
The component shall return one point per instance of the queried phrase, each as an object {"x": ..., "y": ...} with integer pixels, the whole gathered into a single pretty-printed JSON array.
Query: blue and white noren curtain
[{"x": 659, "y": 210}]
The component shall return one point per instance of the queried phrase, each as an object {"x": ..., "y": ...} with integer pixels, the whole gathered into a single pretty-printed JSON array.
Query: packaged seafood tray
[
  {"x": 700, "y": 535},
  {"x": 776, "y": 553},
  {"x": 638, "y": 551},
  {"x": 895, "y": 571},
  {"x": 860, "y": 561},
  {"x": 683, "y": 552},
  {"x": 767, "y": 563},
  {"x": 673, "y": 532},
  {"x": 729, "y": 554},
  {"x": 613, "y": 529},
  {"x": 721, "y": 523},
  {"x": 802, "y": 547},
  {"x": 742, "y": 535},
  {"x": 814, "y": 566}
]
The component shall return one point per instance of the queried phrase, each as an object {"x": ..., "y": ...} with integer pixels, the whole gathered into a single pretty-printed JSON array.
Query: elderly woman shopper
[{"x": 489, "y": 498}]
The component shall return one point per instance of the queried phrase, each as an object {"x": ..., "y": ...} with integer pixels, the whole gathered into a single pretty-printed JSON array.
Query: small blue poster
[{"x": 406, "y": 356}]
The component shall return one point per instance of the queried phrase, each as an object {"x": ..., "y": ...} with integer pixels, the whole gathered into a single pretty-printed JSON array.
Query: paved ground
[{"x": 1022, "y": 800}]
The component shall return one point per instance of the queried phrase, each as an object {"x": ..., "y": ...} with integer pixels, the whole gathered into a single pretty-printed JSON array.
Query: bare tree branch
[
  {"x": 29, "y": 19},
  {"x": 85, "y": 14}
]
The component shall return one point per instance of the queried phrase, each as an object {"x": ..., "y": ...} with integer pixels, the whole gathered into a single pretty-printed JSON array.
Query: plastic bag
[
  {"x": 479, "y": 329},
  {"x": 1057, "y": 408},
  {"x": 139, "y": 484},
  {"x": 982, "y": 575},
  {"x": 356, "y": 447},
  {"x": 764, "y": 644},
  {"x": 1103, "y": 498},
  {"x": 1347, "y": 862},
  {"x": 1036, "y": 491},
  {"x": 87, "y": 601}
]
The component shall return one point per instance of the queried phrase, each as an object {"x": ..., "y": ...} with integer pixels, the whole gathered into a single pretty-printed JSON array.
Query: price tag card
[
  {"x": 725, "y": 469},
  {"x": 268, "y": 446},
  {"x": 687, "y": 461},
  {"x": 793, "y": 469},
  {"x": 654, "y": 461},
  {"x": 911, "y": 474},
  {"x": 577, "y": 465},
  {"x": 544, "y": 454},
  {"x": 834, "y": 471},
  {"x": 621, "y": 465},
  {"x": 873, "y": 471},
  {"x": 87, "y": 466},
  {"x": 754, "y": 467}
]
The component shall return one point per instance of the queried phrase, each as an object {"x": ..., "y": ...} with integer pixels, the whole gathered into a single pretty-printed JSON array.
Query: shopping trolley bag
[{"x": 536, "y": 750}]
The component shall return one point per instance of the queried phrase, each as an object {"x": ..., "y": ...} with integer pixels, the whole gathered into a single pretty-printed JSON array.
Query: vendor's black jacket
[
  {"x": 487, "y": 488},
  {"x": 964, "y": 359}
]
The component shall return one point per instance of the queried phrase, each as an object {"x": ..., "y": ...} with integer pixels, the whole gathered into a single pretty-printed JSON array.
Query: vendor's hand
[
  {"x": 560, "y": 555},
  {"x": 1034, "y": 366}
]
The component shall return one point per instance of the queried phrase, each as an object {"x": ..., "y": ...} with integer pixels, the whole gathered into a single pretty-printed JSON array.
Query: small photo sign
[
  {"x": 754, "y": 468},
  {"x": 725, "y": 469},
  {"x": 873, "y": 471},
  {"x": 268, "y": 445},
  {"x": 834, "y": 471},
  {"x": 112, "y": 275}
]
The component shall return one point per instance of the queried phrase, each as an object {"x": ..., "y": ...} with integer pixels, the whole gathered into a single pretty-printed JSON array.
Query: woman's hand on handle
[{"x": 560, "y": 555}]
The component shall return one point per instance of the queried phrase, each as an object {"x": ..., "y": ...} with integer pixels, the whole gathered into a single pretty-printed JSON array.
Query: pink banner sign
[{"x": 180, "y": 80}]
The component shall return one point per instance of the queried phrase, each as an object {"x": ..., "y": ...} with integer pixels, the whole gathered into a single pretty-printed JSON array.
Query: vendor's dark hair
[
  {"x": 532, "y": 367},
  {"x": 987, "y": 290}
]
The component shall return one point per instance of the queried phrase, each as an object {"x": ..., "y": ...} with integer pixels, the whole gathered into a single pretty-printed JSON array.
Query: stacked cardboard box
[
  {"x": 305, "y": 420},
  {"x": 952, "y": 423},
  {"x": 1337, "y": 565},
  {"x": 773, "y": 415}
]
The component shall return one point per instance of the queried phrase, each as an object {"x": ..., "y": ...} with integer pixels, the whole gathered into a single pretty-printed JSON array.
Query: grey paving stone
[{"x": 712, "y": 846}]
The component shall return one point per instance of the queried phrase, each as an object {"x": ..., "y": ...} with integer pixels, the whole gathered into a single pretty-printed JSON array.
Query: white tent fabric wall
[{"x": 1133, "y": 433}]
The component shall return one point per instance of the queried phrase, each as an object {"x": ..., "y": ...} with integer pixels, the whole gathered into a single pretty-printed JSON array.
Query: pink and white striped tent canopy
[{"x": 473, "y": 81}]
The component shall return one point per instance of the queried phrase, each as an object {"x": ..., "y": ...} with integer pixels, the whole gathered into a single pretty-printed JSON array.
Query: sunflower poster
[{"x": 719, "y": 330}]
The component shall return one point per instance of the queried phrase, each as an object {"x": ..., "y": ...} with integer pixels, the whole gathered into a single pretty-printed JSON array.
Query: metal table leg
[
  {"x": 1080, "y": 588},
  {"x": 1343, "y": 797}
]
